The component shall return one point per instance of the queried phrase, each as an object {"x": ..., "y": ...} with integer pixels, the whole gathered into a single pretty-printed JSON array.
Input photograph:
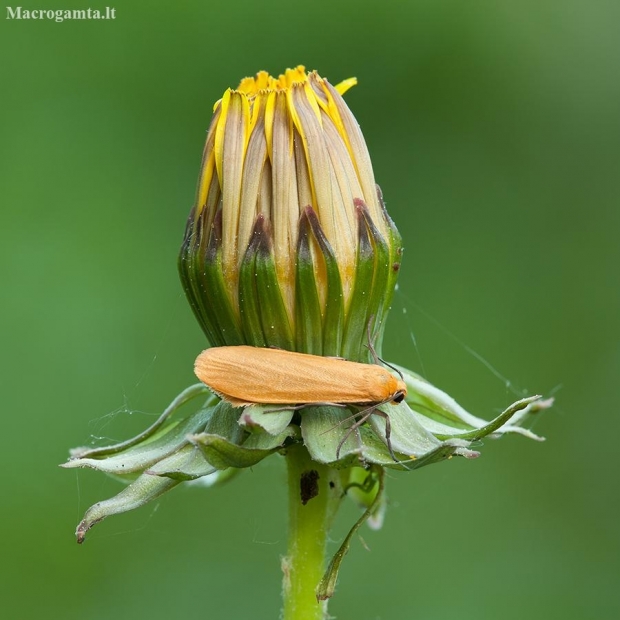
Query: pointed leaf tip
[{"x": 138, "y": 493}]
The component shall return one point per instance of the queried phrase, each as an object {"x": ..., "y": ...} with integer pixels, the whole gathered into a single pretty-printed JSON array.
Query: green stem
[{"x": 314, "y": 496}]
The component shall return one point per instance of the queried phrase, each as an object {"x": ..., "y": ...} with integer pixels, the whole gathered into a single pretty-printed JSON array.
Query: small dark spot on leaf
[
  {"x": 395, "y": 266},
  {"x": 331, "y": 484},
  {"x": 309, "y": 485}
]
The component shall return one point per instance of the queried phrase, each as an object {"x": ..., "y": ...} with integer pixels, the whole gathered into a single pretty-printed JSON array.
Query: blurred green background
[{"x": 495, "y": 134}]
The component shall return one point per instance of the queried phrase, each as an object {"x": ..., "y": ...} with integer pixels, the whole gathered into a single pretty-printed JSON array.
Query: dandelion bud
[{"x": 289, "y": 244}]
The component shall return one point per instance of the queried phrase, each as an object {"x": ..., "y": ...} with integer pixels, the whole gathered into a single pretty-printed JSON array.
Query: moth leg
[
  {"x": 360, "y": 446},
  {"x": 354, "y": 427},
  {"x": 365, "y": 416},
  {"x": 340, "y": 444},
  {"x": 388, "y": 430}
]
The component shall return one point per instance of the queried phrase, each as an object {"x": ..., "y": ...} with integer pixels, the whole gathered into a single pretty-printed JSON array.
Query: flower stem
[{"x": 314, "y": 496}]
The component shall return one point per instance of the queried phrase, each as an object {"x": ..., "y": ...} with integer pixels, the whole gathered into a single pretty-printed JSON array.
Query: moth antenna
[
  {"x": 396, "y": 370},
  {"x": 353, "y": 416},
  {"x": 371, "y": 344}
]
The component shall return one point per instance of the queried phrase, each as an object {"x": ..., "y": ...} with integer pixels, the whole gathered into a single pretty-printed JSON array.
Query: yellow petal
[{"x": 343, "y": 87}]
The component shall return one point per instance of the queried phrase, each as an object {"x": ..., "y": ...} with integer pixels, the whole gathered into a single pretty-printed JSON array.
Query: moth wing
[{"x": 246, "y": 375}]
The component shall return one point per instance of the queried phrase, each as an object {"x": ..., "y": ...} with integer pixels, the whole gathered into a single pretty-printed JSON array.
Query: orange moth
[{"x": 244, "y": 375}]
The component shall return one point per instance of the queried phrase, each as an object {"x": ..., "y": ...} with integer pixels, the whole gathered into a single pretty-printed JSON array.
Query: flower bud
[{"x": 288, "y": 243}]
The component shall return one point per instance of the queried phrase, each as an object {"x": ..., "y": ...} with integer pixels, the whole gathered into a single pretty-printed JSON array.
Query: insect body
[{"x": 244, "y": 375}]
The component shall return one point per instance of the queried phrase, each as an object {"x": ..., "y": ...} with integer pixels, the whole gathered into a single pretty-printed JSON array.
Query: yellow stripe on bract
[
  {"x": 233, "y": 152},
  {"x": 345, "y": 85},
  {"x": 315, "y": 82},
  {"x": 205, "y": 181},
  {"x": 269, "y": 112},
  {"x": 213, "y": 198},
  {"x": 219, "y": 133},
  {"x": 334, "y": 114},
  {"x": 290, "y": 100},
  {"x": 255, "y": 107},
  {"x": 313, "y": 101},
  {"x": 207, "y": 165},
  {"x": 245, "y": 104}
]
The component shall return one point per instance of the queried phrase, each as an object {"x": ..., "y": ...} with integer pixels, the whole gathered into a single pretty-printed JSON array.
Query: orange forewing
[{"x": 246, "y": 375}]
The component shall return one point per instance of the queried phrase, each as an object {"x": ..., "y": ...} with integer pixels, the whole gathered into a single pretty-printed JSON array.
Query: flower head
[{"x": 288, "y": 243}]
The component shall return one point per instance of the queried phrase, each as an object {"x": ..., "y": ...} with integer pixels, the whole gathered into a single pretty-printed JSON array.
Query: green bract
[{"x": 216, "y": 438}]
